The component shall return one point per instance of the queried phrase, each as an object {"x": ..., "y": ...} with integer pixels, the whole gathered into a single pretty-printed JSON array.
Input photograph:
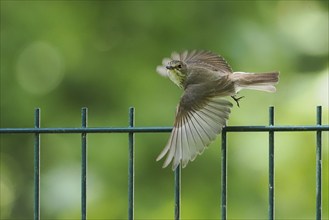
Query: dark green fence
[{"x": 131, "y": 130}]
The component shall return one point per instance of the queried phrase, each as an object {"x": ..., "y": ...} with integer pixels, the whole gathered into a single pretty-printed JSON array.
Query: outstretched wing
[
  {"x": 200, "y": 58},
  {"x": 206, "y": 59},
  {"x": 199, "y": 119}
]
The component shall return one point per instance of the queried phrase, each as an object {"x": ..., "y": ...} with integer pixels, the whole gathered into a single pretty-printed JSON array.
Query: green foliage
[{"x": 65, "y": 55}]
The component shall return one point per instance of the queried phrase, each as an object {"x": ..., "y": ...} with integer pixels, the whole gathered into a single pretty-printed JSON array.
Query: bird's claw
[{"x": 236, "y": 99}]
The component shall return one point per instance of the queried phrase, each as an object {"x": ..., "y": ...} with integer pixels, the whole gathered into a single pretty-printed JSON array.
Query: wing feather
[
  {"x": 193, "y": 141},
  {"x": 194, "y": 130},
  {"x": 178, "y": 151},
  {"x": 186, "y": 145},
  {"x": 171, "y": 147},
  {"x": 196, "y": 138}
]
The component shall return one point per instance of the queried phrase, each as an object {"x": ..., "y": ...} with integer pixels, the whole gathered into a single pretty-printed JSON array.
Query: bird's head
[{"x": 177, "y": 71}]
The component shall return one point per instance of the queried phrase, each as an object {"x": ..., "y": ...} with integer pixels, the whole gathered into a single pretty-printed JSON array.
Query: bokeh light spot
[{"x": 39, "y": 68}]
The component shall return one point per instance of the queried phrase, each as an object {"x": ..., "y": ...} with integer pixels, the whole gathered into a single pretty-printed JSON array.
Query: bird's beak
[{"x": 169, "y": 67}]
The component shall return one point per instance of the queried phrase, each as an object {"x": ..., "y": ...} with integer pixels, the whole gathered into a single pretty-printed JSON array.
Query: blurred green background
[{"x": 65, "y": 55}]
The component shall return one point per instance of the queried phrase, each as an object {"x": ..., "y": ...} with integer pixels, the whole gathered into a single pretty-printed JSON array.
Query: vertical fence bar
[
  {"x": 177, "y": 191},
  {"x": 224, "y": 176},
  {"x": 84, "y": 113},
  {"x": 271, "y": 166},
  {"x": 37, "y": 166},
  {"x": 319, "y": 165},
  {"x": 131, "y": 165}
]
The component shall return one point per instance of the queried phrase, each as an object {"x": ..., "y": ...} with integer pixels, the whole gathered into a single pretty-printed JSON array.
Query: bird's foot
[{"x": 237, "y": 99}]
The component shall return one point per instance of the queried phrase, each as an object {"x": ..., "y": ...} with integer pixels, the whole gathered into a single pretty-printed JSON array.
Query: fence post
[
  {"x": 224, "y": 176},
  {"x": 177, "y": 184},
  {"x": 84, "y": 112},
  {"x": 131, "y": 165},
  {"x": 271, "y": 165},
  {"x": 37, "y": 166},
  {"x": 319, "y": 165}
]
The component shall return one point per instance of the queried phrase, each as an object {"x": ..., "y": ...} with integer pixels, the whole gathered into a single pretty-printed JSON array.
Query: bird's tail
[{"x": 255, "y": 81}]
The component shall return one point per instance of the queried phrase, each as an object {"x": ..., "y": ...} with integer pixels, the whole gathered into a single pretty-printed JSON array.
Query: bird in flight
[{"x": 203, "y": 109}]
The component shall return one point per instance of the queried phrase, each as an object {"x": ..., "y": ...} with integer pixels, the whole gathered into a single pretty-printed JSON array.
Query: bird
[{"x": 207, "y": 81}]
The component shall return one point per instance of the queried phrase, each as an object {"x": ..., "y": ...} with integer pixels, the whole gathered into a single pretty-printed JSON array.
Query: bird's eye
[{"x": 179, "y": 66}]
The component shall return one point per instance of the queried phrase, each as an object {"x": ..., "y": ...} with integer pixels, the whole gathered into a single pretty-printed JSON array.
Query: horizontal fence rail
[
  {"x": 84, "y": 130},
  {"x": 160, "y": 129}
]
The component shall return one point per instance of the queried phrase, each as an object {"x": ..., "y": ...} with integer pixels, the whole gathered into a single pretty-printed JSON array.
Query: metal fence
[{"x": 84, "y": 130}]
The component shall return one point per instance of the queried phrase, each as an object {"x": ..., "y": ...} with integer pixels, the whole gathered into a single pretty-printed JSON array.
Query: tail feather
[{"x": 256, "y": 81}]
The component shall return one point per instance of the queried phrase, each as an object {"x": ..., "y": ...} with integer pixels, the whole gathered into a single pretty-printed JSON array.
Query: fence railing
[{"x": 84, "y": 130}]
